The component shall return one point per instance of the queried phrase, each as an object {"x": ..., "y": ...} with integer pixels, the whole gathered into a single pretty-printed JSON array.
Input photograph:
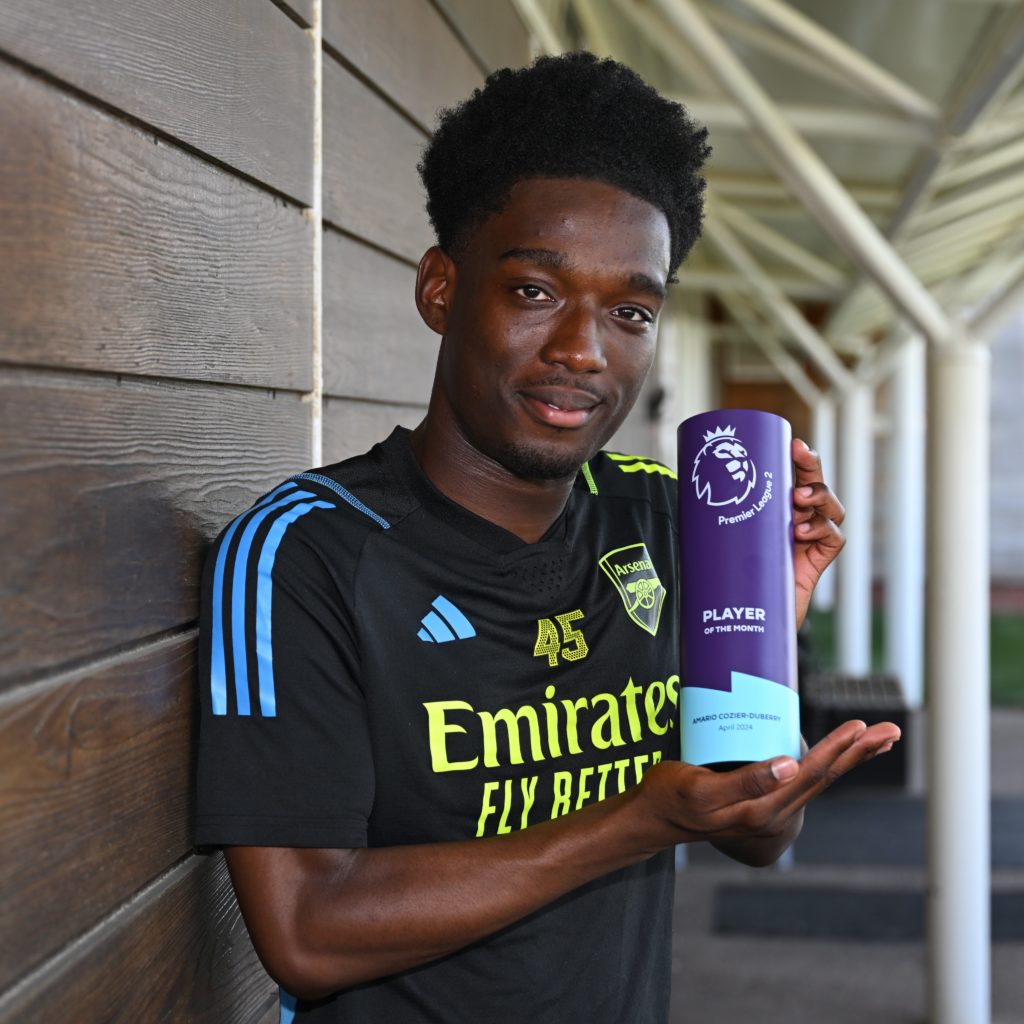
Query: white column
[
  {"x": 684, "y": 367},
  {"x": 856, "y": 448},
  {"x": 694, "y": 376},
  {"x": 315, "y": 215},
  {"x": 905, "y": 523},
  {"x": 958, "y": 686},
  {"x": 823, "y": 441}
]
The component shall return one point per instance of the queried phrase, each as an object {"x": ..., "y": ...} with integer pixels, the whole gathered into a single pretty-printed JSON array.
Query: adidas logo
[{"x": 444, "y": 622}]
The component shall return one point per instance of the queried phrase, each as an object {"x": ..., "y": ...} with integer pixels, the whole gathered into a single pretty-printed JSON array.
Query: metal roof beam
[
  {"x": 986, "y": 322},
  {"x": 869, "y": 76},
  {"x": 549, "y": 38},
  {"x": 712, "y": 279},
  {"x": 687, "y": 61},
  {"x": 809, "y": 178},
  {"x": 782, "y": 215},
  {"x": 983, "y": 225},
  {"x": 958, "y": 274},
  {"x": 736, "y": 186},
  {"x": 791, "y": 320},
  {"x": 761, "y": 38},
  {"x": 779, "y": 245},
  {"x": 881, "y": 358},
  {"x": 940, "y": 268},
  {"x": 991, "y": 275},
  {"x": 995, "y": 130},
  {"x": 594, "y": 28},
  {"x": 817, "y": 122},
  {"x": 765, "y": 339},
  {"x": 993, "y": 73},
  {"x": 970, "y": 202},
  {"x": 970, "y": 170},
  {"x": 996, "y": 64}
]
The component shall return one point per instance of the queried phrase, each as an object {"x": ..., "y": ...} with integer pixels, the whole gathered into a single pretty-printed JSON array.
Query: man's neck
[{"x": 526, "y": 508}]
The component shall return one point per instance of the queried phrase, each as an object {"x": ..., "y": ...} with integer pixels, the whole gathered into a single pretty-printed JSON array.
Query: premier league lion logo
[{"x": 723, "y": 470}]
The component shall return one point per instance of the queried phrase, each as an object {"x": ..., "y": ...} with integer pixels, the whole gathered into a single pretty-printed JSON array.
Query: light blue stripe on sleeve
[
  {"x": 238, "y": 596},
  {"x": 288, "y": 1004},
  {"x": 264, "y": 594},
  {"x": 218, "y": 666},
  {"x": 462, "y": 626},
  {"x": 288, "y": 485}
]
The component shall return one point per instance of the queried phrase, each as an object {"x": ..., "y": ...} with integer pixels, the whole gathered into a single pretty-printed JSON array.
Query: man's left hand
[{"x": 817, "y": 515}]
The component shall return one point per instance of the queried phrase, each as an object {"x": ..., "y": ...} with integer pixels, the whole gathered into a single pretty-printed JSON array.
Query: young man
[{"x": 440, "y": 751}]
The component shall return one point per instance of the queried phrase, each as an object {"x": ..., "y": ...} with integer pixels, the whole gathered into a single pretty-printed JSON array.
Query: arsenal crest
[{"x": 635, "y": 578}]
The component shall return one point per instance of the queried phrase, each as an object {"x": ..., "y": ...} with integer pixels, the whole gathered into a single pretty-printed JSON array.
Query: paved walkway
[{"x": 852, "y": 913}]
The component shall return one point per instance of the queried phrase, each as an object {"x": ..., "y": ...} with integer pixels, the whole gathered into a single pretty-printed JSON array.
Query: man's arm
[{"x": 323, "y": 920}]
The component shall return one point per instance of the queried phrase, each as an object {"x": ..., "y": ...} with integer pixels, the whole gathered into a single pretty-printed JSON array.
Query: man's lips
[{"x": 560, "y": 406}]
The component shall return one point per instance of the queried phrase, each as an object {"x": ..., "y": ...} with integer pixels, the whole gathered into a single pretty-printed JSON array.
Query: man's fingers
[
  {"x": 847, "y": 761},
  {"x": 806, "y": 463},
  {"x": 811, "y": 501},
  {"x": 754, "y": 782},
  {"x": 824, "y": 532},
  {"x": 716, "y": 795},
  {"x": 758, "y": 799},
  {"x": 818, "y": 769},
  {"x": 839, "y": 752}
]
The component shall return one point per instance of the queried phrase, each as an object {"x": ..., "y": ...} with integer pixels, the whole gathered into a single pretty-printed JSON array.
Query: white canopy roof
[{"x": 914, "y": 107}]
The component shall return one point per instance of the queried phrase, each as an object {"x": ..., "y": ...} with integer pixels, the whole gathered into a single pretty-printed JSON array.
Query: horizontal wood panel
[
  {"x": 110, "y": 493},
  {"x": 375, "y": 343},
  {"x": 233, "y": 80},
  {"x": 123, "y": 255},
  {"x": 351, "y": 428},
  {"x": 371, "y": 186},
  {"x": 272, "y": 1014},
  {"x": 406, "y": 49},
  {"x": 95, "y": 796},
  {"x": 179, "y": 955},
  {"x": 494, "y": 31}
]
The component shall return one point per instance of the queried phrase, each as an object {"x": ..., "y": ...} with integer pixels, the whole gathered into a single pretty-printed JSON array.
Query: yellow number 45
[{"x": 570, "y": 645}]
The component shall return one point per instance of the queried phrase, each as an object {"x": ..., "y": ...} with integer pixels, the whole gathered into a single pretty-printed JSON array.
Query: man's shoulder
[
  {"x": 343, "y": 502},
  {"x": 637, "y": 477},
  {"x": 360, "y": 487}
]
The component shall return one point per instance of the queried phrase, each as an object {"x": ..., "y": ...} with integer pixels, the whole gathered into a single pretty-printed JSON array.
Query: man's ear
[{"x": 435, "y": 288}]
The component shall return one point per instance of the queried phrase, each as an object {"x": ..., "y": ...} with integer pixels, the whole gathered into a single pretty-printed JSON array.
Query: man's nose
[{"x": 577, "y": 341}]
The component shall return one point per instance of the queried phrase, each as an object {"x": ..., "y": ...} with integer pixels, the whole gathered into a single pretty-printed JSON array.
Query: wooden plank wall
[{"x": 157, "y": 367}]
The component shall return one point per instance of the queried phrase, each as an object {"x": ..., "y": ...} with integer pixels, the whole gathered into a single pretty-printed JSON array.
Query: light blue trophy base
[{"x": 756, "y": 720}]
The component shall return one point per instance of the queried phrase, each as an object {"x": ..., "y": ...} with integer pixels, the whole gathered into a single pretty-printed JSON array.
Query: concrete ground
[{"x": 823, "y": 978}]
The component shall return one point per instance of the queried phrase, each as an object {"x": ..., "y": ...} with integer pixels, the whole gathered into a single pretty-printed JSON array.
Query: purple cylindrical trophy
[{"x": 738, "y": 604}]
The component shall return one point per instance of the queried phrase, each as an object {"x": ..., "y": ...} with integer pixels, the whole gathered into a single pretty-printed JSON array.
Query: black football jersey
[{"x": 380, "y": 666}]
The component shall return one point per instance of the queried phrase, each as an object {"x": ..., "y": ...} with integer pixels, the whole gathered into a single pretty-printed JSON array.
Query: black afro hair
[{"x": 572, "y": 116}]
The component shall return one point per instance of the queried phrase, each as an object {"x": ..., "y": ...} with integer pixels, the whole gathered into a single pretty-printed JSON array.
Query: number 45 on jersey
[{"x": 561, "y": 640}]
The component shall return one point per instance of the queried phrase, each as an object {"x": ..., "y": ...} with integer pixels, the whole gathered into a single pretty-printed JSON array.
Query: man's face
[{"x": 551, "y": 324}]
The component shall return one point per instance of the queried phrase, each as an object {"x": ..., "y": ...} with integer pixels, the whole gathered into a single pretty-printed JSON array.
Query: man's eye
[
  {"x": 532, "y": 291},
  {"x": 634, "y": 314}
]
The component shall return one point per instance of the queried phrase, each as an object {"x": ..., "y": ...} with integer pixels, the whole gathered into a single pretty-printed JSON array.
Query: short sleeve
[{"x": 284, "y": 749}]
